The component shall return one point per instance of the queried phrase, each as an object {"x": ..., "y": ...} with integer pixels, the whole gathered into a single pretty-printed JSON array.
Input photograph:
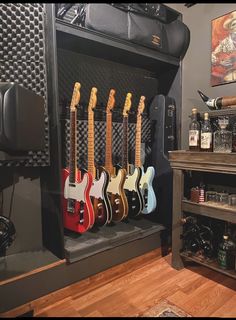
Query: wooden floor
[{"x": 133, "y": 287}]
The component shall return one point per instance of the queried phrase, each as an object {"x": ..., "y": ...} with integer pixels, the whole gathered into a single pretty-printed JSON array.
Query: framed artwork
[{"x": 223, "y": 49}]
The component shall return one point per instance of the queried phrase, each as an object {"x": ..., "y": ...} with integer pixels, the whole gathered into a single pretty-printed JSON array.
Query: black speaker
[
  {"x": 22, "y": 125},
  {"x": 162, "y": 113}
]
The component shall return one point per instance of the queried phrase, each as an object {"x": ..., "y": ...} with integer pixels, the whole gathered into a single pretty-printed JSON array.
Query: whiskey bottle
[
  {"x": 206, "y": 134},
  {"x": 222, "y": 137},
  {"x": 226, "y": 253},
  {"x": 194, "y": 132}
]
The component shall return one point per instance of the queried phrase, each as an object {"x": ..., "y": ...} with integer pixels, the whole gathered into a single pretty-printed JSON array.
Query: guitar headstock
[
  {"x": 75, "y": 96},
  {"x": 141, "y": 106},
  {"x": 111, "y": 101},
  {"x": 127, "y": 105},
  {"x": 92, "y": 99}
]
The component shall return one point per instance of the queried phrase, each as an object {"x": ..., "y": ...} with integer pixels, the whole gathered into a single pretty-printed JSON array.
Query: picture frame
[{"x": 223, "y": 49}]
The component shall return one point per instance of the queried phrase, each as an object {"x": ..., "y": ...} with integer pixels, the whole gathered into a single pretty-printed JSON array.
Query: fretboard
[
  {"x": 125, "y": 143},
  {"x": 108, "y": 158},
  {"x": 91, "y": 166},
  {"x": 138, "y": 142},
  {"x": 72, "y": 160}
]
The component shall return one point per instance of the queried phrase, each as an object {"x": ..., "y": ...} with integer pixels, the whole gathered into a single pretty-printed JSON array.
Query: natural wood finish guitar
[{"x": 116, "y": 185}]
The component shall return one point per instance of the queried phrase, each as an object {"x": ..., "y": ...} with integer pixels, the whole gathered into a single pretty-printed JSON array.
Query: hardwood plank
[
  {"x": 207, "y": 300},
  {"x": 88, "y": 284},
  {"x": 133, "y": 287},
  {"x": 227, "y": 310}
]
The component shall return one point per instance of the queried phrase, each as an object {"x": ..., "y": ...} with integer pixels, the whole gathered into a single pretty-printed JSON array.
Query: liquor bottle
[
  {"x": 226, "y": 253},
  {"x": 222, "y": 137},
  {"x": 234, "y": 138},
  {"x": 201, "y": 193},
  {"x": 194, "y": 132},
  {"x": 206, "y": 134}
]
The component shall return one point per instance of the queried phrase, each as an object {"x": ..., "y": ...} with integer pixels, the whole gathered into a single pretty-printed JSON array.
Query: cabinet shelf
[
  {"x": 90, "y": 42},
  {"x": 222, "y": 112},
  {"x": 203, "y": 161},
  {"x": 224, "y": 213},
  {"x": 212, "y": 264},
  {"x": 217, "y": 163}
]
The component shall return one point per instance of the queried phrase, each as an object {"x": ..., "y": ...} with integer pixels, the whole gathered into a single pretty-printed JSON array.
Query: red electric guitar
[{"x": 78, "y": 213}]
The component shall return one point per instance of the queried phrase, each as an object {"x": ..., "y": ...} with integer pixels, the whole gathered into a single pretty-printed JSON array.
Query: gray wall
[{"x": 197, "y": 61}]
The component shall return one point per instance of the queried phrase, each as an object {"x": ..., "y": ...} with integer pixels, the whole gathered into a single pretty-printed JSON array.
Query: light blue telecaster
[{"x": 146, "y": 187}]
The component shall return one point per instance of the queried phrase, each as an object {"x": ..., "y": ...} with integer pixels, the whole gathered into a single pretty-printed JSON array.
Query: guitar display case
[{"x": 48, "y": 55}]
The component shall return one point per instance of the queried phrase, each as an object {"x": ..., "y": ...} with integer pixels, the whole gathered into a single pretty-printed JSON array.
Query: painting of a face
[{"x": 223, "y": 49}]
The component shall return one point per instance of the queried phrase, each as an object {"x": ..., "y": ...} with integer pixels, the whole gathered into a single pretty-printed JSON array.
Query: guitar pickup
[
  {"x": 117, "y": 201},
  {"x": 72, "y": 185},
  {"x": 133, "y": 199},
  {"x": 117, "y": 211},
  {"x": 133, "y": 207}
]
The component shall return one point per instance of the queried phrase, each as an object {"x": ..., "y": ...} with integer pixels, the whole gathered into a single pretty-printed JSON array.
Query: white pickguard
[
  {"x": 97, "y": 189},
  {"x": 131, "y": 181},
  {"x": 77, "y": 191},
  {"x": 146, "y": 184},
  {"x": 114, "y": 184}
]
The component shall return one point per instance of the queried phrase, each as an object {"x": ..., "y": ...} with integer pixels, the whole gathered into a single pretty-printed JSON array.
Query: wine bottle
[
  {"x": 206, "y": 134},
  {"x": 194, "y": 132}
]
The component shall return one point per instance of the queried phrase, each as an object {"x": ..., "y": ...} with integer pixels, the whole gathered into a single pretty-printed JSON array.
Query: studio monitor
[{"x": 22, "y": 119}]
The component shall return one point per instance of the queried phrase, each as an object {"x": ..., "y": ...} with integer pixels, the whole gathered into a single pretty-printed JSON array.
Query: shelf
[
  {"x": 203, "y": 161},
  {"x": 212, "y": 265},
  {"x": 224, "y": 213},
  {"x": 222, "y": 112},
  {"x": 89, "y": 42},
  {"x": 98, "y": 240}
]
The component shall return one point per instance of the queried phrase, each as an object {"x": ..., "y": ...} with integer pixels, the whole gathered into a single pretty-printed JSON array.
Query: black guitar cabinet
[{"x": 163, "y": 117}]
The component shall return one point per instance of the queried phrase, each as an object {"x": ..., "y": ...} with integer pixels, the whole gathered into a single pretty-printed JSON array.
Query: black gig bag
[
  {"x": 147, "y": 24},
  {"x": 107, "y": 19}
]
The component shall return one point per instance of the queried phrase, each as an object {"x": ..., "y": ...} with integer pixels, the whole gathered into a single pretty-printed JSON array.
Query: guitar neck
[
  {"x": 73, "y": 146},
  {"x": 125, "y": 143},
  {"x": 138, "y": 138},
  {"x": 108, "y": 159},
  {"x": 91, "y": 166}
]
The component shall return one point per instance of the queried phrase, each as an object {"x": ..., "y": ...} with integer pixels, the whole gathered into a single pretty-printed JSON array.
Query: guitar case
[
  {"x": 147, "y": 24},
  {"x": 141, "y": 25},
  {"x": 163, "y": 117}
]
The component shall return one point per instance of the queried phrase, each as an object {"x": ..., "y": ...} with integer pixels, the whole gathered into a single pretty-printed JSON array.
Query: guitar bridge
[
  {"x": 145, "y": 197},
  {"x": 81, "y": 213},
  {"x": 71, "y": 206}
]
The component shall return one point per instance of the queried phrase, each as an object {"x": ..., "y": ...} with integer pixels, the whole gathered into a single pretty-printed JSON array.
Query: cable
[
  {"x": 1, "y": 207},
  {"x": 12, "y": 195}
]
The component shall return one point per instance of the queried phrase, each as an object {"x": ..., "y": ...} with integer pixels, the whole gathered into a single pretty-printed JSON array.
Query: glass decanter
[{"x": 222, "y": 137}]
